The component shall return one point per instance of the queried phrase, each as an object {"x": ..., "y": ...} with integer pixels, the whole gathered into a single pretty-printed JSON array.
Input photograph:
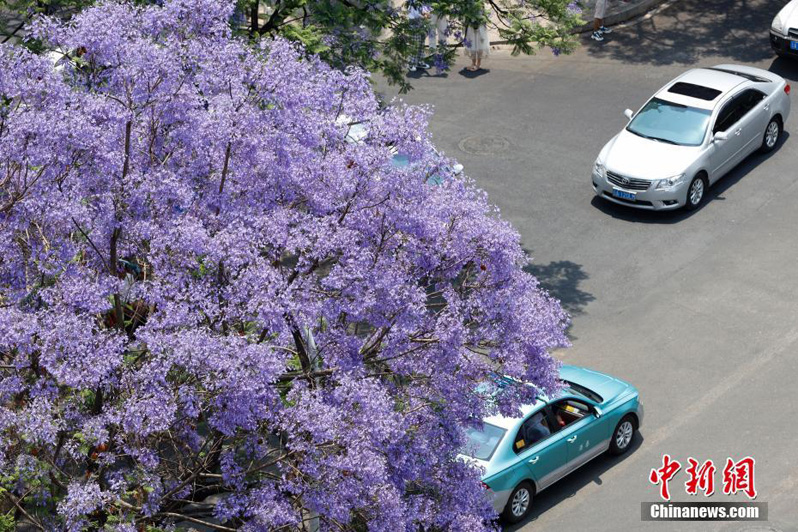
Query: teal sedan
[
  {"x": 357, "y": 132},
  {"x": 523, "y": 456}
]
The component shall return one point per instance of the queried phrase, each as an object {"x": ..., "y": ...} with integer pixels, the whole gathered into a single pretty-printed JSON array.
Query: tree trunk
[{"x": 253, "y": 13}]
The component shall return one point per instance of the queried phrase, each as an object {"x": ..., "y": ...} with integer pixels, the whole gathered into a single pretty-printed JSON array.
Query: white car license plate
[{"x": 618, "y": 193}]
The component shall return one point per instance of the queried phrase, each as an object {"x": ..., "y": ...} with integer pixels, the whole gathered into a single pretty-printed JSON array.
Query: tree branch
[
  {"x": 17, "y": 502},
  {"x": 197, "y": 521},
  {"x": 224, "y": 176},
  {"x": 8, "y": 37},
  {"x": 291, "y": 375},
  {"x": 86, "y": 236},
  {"x": 273, "y": 20},
  {"x": 118, "y": 311}
]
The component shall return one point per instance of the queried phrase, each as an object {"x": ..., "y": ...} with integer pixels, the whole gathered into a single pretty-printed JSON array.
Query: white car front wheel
[{"x": 696, "y": 192}]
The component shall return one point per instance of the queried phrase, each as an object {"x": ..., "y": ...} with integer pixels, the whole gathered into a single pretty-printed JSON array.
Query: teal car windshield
[
  {"x": 584, "y": 392},
  {"x": 670, "y": 122},
  {"x": 482, "y": 443},
  {"x": 400, "y": 160}
]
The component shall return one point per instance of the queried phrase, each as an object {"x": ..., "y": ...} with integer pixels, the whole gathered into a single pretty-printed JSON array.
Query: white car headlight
[
  {"x": 670, "y": 182},
  {"x": 778, "y": 25},
  {"x": 599, "y": 170}
]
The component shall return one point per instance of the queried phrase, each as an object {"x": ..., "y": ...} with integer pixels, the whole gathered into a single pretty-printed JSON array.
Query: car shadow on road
[
  {"x": 692, "y": 29},
  {"x": 570, "y": 485},
  {"x": 630, "y": 214},
  {"x": 786, "y": 68}
]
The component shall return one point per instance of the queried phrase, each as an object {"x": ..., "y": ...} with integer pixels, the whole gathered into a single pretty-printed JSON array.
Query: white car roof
[
  {"x": 714, "y": 79},
  {"x": 703, "y": 77}
]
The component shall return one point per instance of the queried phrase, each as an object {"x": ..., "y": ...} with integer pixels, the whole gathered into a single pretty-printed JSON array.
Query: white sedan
[
  {"x": 784, "y": 31},
  {"x": 690, "y": 134}
]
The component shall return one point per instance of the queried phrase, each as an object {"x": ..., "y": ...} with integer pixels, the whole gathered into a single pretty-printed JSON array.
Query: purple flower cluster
[
  {"x": 440, "y": 63},
  {"x": 573, "y": 8},
  {"x": 208, "y": 293},
  {"x": 81, "y": 499}
]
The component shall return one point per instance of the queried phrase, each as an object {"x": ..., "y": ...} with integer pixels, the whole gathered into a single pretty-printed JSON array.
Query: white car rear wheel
[{"x": 772, "y": 135}]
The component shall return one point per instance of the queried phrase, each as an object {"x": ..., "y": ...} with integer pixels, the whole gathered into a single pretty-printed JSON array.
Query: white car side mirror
[
  {"x": 628, "y": 114},
  {"x": 720, "y": 136}
]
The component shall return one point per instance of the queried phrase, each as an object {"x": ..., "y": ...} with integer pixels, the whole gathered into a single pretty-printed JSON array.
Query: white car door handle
[
  {"x": 767, "y": 107},
  {"x": 571, "y": 439},
  {"x": 534, "y": 460},
  {"x": 738, "y": 132}
]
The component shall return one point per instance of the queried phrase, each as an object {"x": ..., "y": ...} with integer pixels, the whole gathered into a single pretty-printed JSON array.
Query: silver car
[{"x": 689, "y": 134}]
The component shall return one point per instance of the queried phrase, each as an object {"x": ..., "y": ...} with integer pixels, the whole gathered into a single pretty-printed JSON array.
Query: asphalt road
[{"x": 698, "y": 311}]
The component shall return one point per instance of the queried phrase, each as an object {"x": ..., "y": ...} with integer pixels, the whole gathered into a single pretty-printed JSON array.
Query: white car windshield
[
  {"x": 482, "y": 443},
  {"x": 672, "y": 123}
]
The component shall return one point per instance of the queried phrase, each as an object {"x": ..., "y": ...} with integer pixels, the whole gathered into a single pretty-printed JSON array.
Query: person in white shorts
[
  {"x": 599, "y": 29},
  {"x": 438, "y": 29}
]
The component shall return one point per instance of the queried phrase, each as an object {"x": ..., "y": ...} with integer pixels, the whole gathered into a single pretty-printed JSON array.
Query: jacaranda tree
[
  {"x": 376, "y": 35},
  {"x": 215, "y": 308},
  {"x": 379, "y": 36}
]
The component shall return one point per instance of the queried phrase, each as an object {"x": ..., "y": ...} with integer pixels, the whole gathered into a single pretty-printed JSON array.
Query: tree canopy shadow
[
  {"x": 691, "y": 29},
  {"x": 561, "y": 280}
]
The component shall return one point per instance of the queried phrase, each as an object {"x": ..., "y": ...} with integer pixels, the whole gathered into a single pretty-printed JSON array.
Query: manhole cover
[{"x": 485, "y": 144}]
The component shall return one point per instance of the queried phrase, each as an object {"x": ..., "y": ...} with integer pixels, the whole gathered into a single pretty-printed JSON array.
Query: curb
[{"x": 612, "y": 19}]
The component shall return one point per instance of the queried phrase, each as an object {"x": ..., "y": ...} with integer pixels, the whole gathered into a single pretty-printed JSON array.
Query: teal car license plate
[
  {"x": 622, "y": 194},
  {"x": 793, "y": 45}
]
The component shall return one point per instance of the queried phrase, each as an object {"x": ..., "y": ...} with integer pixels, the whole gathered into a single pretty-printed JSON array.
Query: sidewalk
[
  {"x": 617, "y": 12},
  {"x": 9, "y": 22}
]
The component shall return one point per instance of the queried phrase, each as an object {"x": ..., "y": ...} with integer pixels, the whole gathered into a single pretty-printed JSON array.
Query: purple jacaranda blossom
[
  {"x": 208, "y": 293},
  {"x": 81, "y": 499},
  {"x": 573, "y": 8},
  {"x": 441, "y": 65}
]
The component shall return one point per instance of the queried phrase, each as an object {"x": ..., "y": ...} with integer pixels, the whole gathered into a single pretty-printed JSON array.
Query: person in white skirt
[{"x": 477, "y": 45}]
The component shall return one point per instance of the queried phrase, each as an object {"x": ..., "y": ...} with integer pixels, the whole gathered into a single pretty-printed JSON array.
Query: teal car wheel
[
  {"x": 623, "y": 435},
  {"x": 519, "y": 503}
]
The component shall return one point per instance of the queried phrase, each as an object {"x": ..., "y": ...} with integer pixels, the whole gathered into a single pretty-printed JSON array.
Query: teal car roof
[
  {"x": 593, "y": 380},
  {"x": 508, "y": 423}
]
